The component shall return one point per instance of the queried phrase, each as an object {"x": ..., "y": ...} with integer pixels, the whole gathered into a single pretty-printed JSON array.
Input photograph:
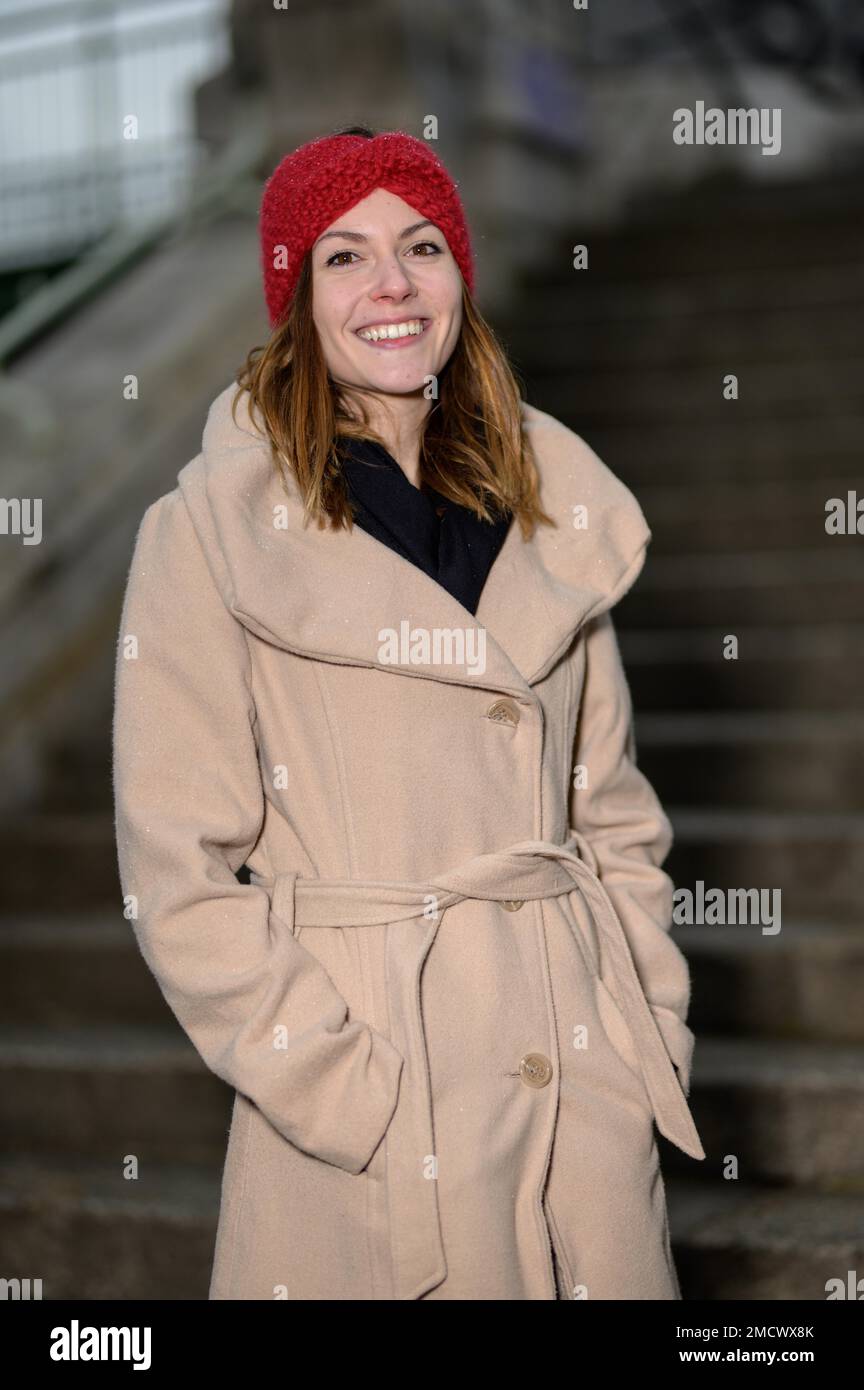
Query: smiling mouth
[{"x": 393, "y": 335}]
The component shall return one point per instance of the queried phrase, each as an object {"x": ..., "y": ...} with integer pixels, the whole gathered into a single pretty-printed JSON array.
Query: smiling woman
[
  {"x": 388, "y": 312},
  {"x": 445, "y": 993},
  {"x": 444, "y": 401}
]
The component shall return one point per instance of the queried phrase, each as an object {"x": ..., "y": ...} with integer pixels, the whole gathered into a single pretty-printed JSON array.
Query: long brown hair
[{"x": 472, "y": 447}]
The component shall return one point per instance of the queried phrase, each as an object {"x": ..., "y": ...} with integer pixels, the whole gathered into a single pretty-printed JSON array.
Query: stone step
[
  {"x": 650, "y": 396},
  {"x": 698, "y": 230},
  {"x": 691, "y": 231},
  {"x": 786, "y": 1111},
  {"x": 736, "y": 1240},
  {"x": 798, "y": 761},
  {"x": 815, "y": 861},
  {"x": 78, "y": 765},
  {"x": 756, "y": 516},
  {"x": 60, "y": 970},
  {"x": 668, "y": 248},
  {"x": 680, "y": 329},
  {"x": 62, "y": 862},
  {"x": 700, "y": 226},
  {"x": 816, "y": 669},
  {"x": 804, "y": 983},
  {"x": 105, "y": 1092},
  {"x": 744, "y": 587},
  {"x": 89, "y": 1233},
  {"x": 796, "y": 444},
  {"x": 587, "y": 300}
]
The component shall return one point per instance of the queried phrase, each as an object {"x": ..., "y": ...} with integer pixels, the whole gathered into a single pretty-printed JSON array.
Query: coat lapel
[{"x": 337, "y": 595}]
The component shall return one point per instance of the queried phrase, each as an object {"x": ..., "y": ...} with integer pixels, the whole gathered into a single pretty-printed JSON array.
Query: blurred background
[{"x": 134, "y": 141}]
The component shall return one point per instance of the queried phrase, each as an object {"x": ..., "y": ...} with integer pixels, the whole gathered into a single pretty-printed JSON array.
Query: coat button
[
  {"x": 512, "y": 904},
  {"x": 503, "y": 712},
  {"x": 535, "y": 1069}
]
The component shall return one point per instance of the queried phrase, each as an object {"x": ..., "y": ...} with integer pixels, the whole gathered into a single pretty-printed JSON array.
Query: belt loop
[{"x": 282, "y": 900}]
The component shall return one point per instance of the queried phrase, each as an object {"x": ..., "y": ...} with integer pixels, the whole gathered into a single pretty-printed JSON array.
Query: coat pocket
[{"x": 338, "y": 1079}]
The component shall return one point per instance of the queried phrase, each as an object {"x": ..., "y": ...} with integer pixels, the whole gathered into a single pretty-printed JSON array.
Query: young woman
[{"x": 380, "y": 827}]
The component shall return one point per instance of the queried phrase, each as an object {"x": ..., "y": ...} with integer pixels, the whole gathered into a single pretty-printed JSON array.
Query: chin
[{"x": 399, "y": 385}]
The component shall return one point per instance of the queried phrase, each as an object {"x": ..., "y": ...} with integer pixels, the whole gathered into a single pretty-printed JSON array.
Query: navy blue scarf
[{"x": 444, "y": 539}]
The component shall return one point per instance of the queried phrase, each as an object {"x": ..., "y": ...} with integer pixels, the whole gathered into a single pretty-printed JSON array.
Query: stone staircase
[
  {"x": 760, "y": 760},
  {"x": 94, "y": 1069}
]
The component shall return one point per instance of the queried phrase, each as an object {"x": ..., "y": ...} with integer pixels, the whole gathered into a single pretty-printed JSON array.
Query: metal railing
[
  {"x": 150, "y": 209},
  {"x": 96, "y": 125}
]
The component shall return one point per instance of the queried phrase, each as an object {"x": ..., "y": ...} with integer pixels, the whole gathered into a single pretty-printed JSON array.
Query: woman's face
[{"x": 373, "y": 267}]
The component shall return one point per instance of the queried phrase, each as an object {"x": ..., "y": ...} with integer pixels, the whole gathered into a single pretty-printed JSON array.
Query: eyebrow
[{"x": 360, "y": 236}]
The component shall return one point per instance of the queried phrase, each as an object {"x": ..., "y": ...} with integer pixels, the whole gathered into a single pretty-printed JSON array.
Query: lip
[{"x": 389, "y": 344}]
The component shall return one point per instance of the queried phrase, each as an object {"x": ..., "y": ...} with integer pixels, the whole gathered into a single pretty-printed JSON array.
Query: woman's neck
[{"x": 399, "y": 421}]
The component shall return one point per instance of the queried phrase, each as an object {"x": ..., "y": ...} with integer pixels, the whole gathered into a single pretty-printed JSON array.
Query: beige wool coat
[{"x": 444, "y": 990}]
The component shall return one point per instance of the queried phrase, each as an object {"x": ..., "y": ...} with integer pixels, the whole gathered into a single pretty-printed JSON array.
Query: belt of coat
[{"x": 528, "y": 870}]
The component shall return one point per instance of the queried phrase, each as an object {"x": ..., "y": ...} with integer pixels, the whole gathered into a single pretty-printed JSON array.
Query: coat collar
[{"x": 331, "y": 594}]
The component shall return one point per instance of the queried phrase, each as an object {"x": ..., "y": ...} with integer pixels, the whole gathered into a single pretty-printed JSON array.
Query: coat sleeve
[
  {"x": 189, "y": 805},
  {"x": 620, "y": 815}
]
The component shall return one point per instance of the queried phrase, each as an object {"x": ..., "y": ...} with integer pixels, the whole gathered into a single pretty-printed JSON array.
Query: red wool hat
[{"x": 315, "y": 184}]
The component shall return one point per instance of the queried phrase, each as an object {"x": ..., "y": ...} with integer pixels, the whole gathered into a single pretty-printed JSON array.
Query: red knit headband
[{"x": 316, "y": 183}]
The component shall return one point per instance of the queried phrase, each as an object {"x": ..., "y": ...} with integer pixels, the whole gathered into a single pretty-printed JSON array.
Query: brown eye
[{"x": 336, "y": 255}]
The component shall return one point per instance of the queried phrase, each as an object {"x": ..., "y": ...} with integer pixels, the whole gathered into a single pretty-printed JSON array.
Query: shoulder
[
  {"x": 561, "y": 452},
  {"x": 234, "y": 447},
  {"x": 572, "y": 473},
  {"x": 167, "y": 545}
]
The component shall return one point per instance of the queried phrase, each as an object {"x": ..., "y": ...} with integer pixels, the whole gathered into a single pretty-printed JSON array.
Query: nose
[{"x": 391, "y": 279}]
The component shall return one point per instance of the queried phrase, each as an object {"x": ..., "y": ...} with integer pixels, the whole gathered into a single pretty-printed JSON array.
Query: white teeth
[{"x": 409, "y": 329}]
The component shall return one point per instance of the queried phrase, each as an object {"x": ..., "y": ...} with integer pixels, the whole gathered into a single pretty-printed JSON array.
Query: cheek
[
  {"x": 338, "y": 343},
  {"x": 452, "y": 297},
  {"x": 329, "y": 314},
  {"x": 448, "y": 338}
]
